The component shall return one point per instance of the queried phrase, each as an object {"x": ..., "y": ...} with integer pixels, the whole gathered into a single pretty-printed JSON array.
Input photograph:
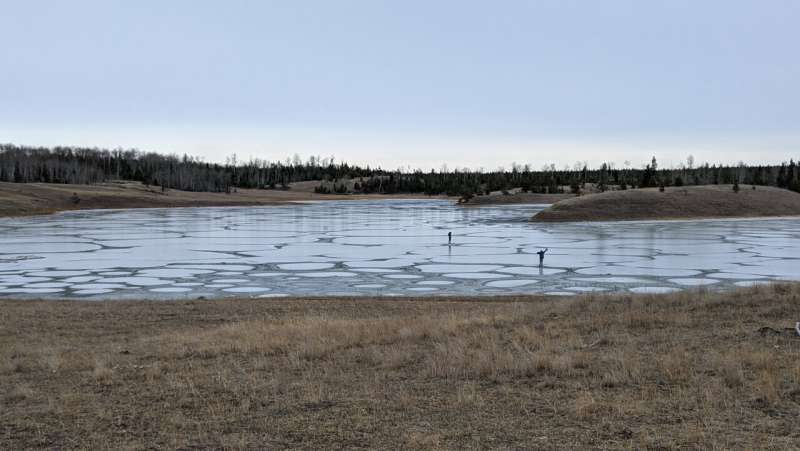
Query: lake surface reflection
[{"x": 388, "y": 247}]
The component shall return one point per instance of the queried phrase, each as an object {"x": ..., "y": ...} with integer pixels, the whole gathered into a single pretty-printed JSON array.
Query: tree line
[
  {"x": 79, "y": 165},
  {"x": 23, "y": 164}
]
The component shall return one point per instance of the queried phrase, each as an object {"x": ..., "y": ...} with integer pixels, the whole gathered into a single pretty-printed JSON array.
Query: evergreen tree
[{"x": 602, "y": 182}]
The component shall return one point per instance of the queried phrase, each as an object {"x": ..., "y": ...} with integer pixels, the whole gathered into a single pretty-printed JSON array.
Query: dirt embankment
[
  {"x": 22, "y": 199},
  {"x": 710, "y": 201},
  {"x": 693, "y": 370}
]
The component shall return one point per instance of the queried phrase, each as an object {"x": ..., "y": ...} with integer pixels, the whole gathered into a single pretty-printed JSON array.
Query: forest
[{"x": 79, "y": 165}]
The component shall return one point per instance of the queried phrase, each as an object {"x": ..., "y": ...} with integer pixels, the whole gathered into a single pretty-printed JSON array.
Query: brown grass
[
  {"x": 712, "y": 201},
  {"x": 516, "y": 198},
  {"x": 20, "y": 199},
  {"x": 686, "y": 370}
]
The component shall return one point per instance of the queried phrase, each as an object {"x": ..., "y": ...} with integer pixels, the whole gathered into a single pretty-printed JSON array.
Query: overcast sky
[{"x": 419, "y": 83}]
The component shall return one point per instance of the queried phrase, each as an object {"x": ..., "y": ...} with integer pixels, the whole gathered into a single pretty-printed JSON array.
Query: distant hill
[{"x": 707, "y": 201}]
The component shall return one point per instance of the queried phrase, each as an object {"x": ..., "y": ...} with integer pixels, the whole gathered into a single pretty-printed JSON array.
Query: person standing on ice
[
  {"x": 541, "y": 256},
  {"x": 449, "y": 238}
]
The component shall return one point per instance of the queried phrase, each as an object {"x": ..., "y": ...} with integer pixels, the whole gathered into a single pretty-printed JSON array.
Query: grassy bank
[
  {"x": 515, "y": 198},
  {"x": 687, "y": 370},
  {"x": 710, "y": 201},
  {"x": 22, "y": 199}
]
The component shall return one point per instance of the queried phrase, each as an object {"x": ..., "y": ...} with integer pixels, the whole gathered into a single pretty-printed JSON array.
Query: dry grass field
[
  {"x": 708, "y": 201},
  {"x": 688, "y": 370}
]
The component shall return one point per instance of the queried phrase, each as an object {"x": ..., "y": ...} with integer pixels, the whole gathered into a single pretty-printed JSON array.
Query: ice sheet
[
  {"x": 246, "y": 289},
  {"x": 511, "y": 283},
  {"x": 91, "y": 292},
  {"x": 693, "y": 281},
  {"x": 305, "y": 266},
  {"x": 457, "y": 268},
  {"x": 476, "y": 275},
  {"x": 609, "y": 280},
  {"x": 327, "y": 274},
  {"x": 654, "y": 290},
  {"x": 382, "y": 247}
]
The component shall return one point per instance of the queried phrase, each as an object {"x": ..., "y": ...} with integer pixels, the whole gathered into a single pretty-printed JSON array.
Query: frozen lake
[{"x": 385, "y": 248}]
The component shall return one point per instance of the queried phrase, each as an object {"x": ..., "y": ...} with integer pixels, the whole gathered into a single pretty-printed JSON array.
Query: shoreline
[
  {"x": 41, "y": 199},
  {"x": 367, "y": 297},
  {"x": 233, "y": 205},
  {"x": 666, "y": 219},
  {"x": 494, "y": 298},
  {"x": 399, "y": 197},
  {"x": 693, "y": 203},
  {"x": 493, "y": 200}
]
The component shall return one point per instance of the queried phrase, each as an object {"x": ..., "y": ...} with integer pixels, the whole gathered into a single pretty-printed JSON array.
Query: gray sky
[{"x": 469, "y": 84}]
